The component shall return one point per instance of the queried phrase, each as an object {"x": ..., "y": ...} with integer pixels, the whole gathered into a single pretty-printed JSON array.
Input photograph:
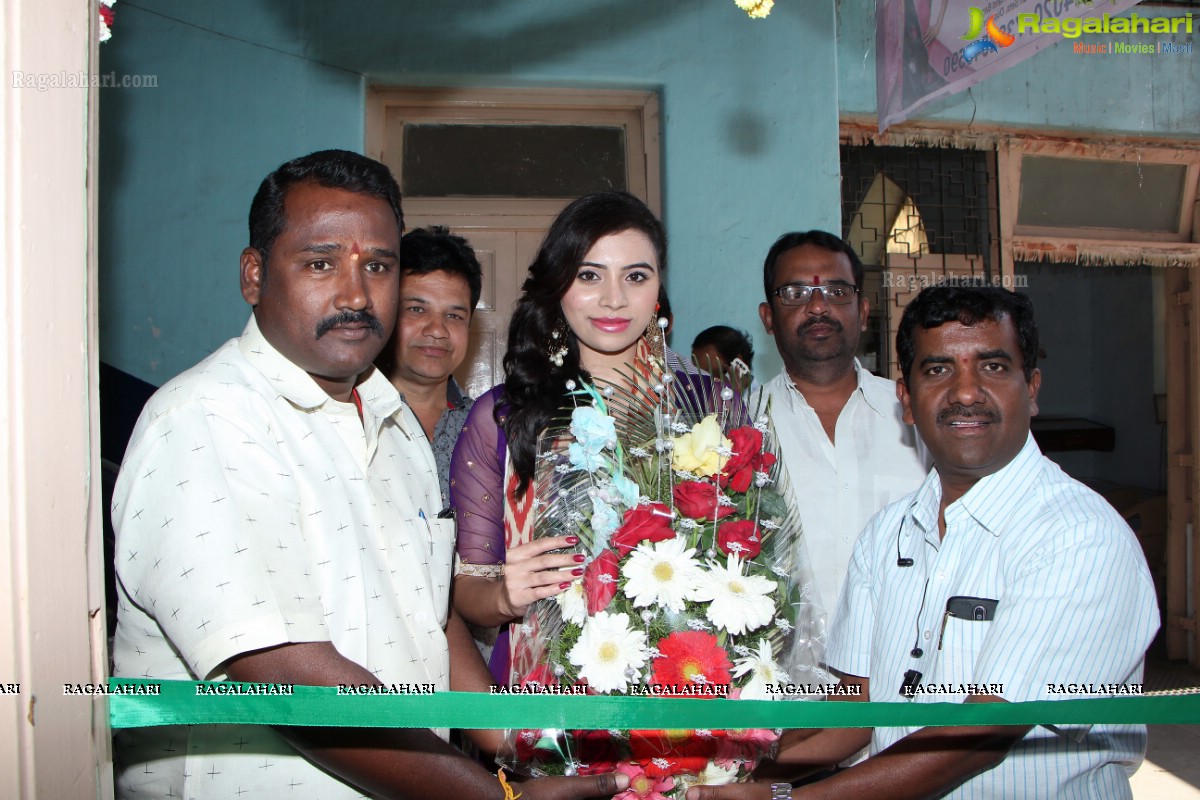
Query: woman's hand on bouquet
[
  {"x": 574, "y": 788},
  {"x": 532, "y": 573}
]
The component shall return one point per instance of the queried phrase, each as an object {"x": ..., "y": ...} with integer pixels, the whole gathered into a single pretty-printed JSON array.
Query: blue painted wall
[
  {"x": 749, "y": 129},
  {"x": 180, "y": 163},
  {"x": 749, "y": 135}
]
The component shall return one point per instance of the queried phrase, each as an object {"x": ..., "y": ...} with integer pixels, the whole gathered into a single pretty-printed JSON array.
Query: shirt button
[
  {"x": 928, "y": 635},
  {"x": 941, "y": 576}
]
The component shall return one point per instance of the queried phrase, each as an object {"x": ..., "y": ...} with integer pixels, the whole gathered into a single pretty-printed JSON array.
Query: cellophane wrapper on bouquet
[{"x": 697, "y": 583}]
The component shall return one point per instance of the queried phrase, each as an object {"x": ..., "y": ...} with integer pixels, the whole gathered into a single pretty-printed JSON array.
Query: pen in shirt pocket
[
  {"x": 973, "y": 609},
  {"x": 428, "y": 527}
]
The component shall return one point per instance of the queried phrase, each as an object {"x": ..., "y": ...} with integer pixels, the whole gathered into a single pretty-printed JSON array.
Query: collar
[
  {"x": 874, "y": 391},
  {"x": 297, "y": 386},
  {"x": 989, "y": 502},
  {"x": 455, "y": 397}
]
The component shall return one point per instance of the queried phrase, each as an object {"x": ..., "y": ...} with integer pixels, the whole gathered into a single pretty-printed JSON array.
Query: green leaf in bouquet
[{"x": 772, "y": 506}]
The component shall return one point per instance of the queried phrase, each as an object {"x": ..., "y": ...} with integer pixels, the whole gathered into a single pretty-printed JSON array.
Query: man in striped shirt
[{"x": 1001, "y": 579}]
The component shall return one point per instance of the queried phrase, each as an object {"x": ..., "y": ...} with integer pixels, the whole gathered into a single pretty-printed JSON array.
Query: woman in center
[{"x": 588, "y": 313}]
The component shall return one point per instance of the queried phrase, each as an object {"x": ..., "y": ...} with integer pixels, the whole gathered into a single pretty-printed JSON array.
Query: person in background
[
  {"x": 1000, "y": 579},
  {"x": 440, "y": 284},
  {"x": 841, "y": 434},
  {"x": 725, "y": 353}
]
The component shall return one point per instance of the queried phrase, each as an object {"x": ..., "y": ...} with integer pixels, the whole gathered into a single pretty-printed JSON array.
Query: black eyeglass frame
[{"x": 824, "y": 293}]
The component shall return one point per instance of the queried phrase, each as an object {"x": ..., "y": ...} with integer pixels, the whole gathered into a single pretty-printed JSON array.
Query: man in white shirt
[
  {"x": 846, "y": 449},
  {"x": 276, "y": 519},
  {"x": 999, "y": 579}
]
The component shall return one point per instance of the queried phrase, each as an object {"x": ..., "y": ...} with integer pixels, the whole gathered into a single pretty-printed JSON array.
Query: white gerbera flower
[
  {"x": 763, "y": 672},
  {"x": 736, "y": 602},
  {"x": 572, "y": 603},
  {"x": 663, "y": 573},
  {"x": 607, "y": 651},
  {"x": 714, "y": 774}
]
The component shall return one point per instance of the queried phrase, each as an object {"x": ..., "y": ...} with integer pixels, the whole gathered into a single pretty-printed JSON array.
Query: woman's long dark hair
[{"x": 535, "y": 387}]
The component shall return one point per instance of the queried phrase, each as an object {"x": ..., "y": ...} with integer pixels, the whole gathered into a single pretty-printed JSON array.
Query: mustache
[
  {"x": 349, "y": 318},
  {"x": 960, "y": 413},
  {"x": 829, "y": 322}
]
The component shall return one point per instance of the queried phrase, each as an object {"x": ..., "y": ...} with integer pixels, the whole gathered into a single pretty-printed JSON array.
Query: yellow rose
[{"x": 696, "y": 452}]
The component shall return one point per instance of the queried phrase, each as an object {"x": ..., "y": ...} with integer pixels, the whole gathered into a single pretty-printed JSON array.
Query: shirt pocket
[{"x": 958, "y": 650}]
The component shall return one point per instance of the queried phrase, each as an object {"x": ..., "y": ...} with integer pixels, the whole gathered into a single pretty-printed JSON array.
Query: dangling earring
[
  {"x": 656, "y": 336},
  {"x": 556, "y": 347}
]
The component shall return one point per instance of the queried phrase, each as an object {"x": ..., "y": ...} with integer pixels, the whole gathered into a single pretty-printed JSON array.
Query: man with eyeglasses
[{"x": 847, "y": 450}]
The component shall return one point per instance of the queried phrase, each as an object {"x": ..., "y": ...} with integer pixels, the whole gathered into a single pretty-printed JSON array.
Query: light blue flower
[
  {"x": 594, "y": 432},
  {"x": 604, "y": 522},
  {"x": 627, "y": 489},
  {"x": 593, "y": 429},
  {"x": 582, "y": 458}
]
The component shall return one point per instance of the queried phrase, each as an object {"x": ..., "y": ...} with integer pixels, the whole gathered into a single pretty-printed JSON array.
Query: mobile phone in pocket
[{"x": 977, "y": 609}]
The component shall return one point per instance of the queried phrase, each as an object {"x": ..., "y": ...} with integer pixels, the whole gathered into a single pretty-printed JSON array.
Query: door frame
[
  {"x": 52, "y": 620},
  {"x": 636, "y": 111}
]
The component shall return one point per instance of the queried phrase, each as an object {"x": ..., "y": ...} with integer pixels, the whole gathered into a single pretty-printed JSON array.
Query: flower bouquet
[{"x": 696, "y": 584}]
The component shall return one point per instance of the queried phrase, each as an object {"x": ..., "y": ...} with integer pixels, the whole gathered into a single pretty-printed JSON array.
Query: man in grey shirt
[{"x": 440, "y": 284}]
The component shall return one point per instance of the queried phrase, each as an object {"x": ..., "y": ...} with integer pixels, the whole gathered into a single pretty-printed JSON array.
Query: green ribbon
[{"x": 179, "y": 704}]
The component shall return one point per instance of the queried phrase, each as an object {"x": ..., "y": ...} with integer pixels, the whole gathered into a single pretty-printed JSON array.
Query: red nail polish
[
  {"x": 564, "y": 585},
  {"x": 572, "y": 540},
  {"x": 577, "y": 571},
  {"x": 580, "y": 558}
]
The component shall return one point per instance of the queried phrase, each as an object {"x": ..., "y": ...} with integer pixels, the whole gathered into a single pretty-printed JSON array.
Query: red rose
[
  {"x": 742, "y": 532},
  {"x": 533, "y": 746},
  {"x": 746, "y": 443},
  {"x": 747, "y": 458},
  {"x": 600, "y": 581},
  {"x": 645, "y": 523},
  {"x": 596, "y": 751},
  {"x": 698, "y": 500}
]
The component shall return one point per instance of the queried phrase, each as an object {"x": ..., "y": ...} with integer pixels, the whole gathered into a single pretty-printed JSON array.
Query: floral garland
[
  {"x": 756, "y": 9},
  {"x": 690, "y": 586},
  {"x": 106, "y": 19}
]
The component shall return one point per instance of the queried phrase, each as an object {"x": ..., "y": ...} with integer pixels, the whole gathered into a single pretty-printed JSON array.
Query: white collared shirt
[
  {"x": 837, "y": 486},
  {"x": 1075, "y": 606},
  {"x": 253, "y": 510}
]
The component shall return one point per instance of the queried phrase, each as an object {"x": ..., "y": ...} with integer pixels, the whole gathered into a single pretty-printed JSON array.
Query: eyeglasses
[{"x": 798, "y": 294}]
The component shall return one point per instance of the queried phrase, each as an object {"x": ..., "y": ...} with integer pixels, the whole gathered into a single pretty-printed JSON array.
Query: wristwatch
[{"x": 781, "y": 791}]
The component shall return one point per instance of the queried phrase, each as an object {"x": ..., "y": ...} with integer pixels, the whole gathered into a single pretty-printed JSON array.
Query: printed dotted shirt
[
  {"x": 253, "y": 510},
  {"x": 1075, "y": 604}
]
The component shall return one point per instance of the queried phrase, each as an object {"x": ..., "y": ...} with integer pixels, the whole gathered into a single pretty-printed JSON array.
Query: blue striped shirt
[{"x": 1075, "y": 610}]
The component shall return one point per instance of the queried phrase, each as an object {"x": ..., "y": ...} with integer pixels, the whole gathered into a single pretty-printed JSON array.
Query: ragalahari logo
[{"x": 993, "y": 38}]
